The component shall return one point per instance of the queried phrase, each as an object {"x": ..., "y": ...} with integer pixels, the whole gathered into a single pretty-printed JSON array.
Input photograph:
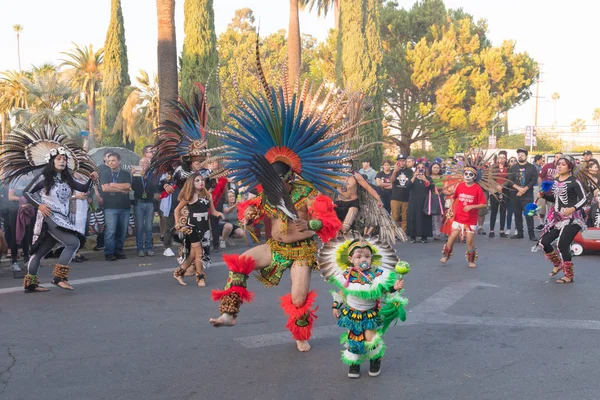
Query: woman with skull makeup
[
  {"x": 51, "y": 191},
  {"x": 565, "y": 219},
  {"x": 466, "y": 201},
  {"x": 195, "y": 225}
]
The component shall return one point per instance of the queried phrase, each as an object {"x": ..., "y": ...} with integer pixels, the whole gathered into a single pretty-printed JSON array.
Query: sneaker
[
  {"x": 423, "y": 240},
  {"x": 480, "y": 231},
  {"x": 15, "y": 267},
  {"x": 222, "y": 244},
  {"x": 168, "y": 252},
  {"x": 110, "y": 257},
  {"x": 141, "y": 254},
  {"x": 77, "y": 259},
  {"x": 120, "y": 256},
  {"x": 354, "y": 371},
  {"x": 98, "y": 248},
  {"x": 517, "y": 236},
  {"x": 502, "y": 234},
  {"x": 492, "y": 234},
  {"x": 162, "y": 239},
  {"x": 375, "y": 367},
  {"x": 149, "y": 253},
  {"x": 540, "y": 227},
  {"x": 230, "y": 242},
  {"x": 533, "y": 238}
]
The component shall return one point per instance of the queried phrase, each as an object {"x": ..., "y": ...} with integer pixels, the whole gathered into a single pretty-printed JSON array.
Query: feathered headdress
[
  {"x": 299, "y": 128},
  {"x": 29, "y": 149},
  {"x": 183, "y": 137},
  {"x": 479, "y": 163}
]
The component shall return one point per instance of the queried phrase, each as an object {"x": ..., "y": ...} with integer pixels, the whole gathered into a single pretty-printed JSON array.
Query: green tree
[
  {"x": 139, "y": 117},
  {"x": 578, "y": 125},
  {"x": 84, "y": 71},
  {"x": 167, "y": 56},
  {"x": 443, "y": 75},
  {"x": 359, "y": 62},
  {"x": 200, "y": 60},
  {"x": 115, "y": 71}
]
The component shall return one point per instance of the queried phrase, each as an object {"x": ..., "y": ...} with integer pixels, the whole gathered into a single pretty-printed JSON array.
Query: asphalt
[{"x": 128, "y": 331}]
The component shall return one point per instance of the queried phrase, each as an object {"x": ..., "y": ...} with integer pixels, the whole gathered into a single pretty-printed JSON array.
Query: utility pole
[{"x": 537, "y": 98}]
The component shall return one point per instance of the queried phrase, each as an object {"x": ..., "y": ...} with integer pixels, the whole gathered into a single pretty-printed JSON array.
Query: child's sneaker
[
  {"x": 354, "y": 371},
  {"x": 375, "y": 367}
]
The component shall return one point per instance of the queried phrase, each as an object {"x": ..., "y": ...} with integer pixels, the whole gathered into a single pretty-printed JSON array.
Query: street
[{"x": 129, "y": 331}]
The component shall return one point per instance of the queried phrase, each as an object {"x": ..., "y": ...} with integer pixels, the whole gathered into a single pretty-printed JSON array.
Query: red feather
[
  {"x": 323, "y": 210},
  {"x": 295, "y": 313},
  {"x": 218, "y": 191}
]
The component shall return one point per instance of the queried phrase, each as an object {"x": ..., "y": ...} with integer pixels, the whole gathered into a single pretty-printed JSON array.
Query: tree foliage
[
  {"x": 443, "y": 75},
  {"x": 115, "y": 70},
  {"x": 359, "y": 62},
  {"x": 199, "y": 59}
]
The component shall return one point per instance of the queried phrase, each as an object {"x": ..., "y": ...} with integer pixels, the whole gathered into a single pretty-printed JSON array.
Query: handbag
[{"x": 433, "y": 205}]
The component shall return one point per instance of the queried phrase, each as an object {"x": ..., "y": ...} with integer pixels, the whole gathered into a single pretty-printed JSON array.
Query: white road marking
[
  {"x": 109, "y": 278},
  {"x": 431, "y": 311}
]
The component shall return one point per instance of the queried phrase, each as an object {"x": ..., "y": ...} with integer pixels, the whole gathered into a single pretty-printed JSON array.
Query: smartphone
[{"x": 137, "y": 170}]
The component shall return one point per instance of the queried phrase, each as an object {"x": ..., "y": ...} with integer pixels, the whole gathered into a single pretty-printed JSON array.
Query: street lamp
[{"x": 493, "y": 137}]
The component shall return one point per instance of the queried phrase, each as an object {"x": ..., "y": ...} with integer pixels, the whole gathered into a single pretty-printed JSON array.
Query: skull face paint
[{"x": 469, "y": 176}]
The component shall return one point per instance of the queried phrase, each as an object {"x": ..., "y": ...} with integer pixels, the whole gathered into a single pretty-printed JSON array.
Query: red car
[{"x": 586, "y": 240}]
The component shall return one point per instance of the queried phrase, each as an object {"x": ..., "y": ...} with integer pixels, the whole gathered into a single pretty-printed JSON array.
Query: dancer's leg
[
  {"x": 448, "y": 247},
  {"x": 297, "y": 305},
  {"x": 471, "y": 253}
]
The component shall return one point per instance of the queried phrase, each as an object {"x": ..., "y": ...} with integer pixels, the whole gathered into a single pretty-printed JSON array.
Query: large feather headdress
[
  {"x": 300, "y": 127},
  {"x": 29, "y": 149},
  {"x": 183, "y": 137}
]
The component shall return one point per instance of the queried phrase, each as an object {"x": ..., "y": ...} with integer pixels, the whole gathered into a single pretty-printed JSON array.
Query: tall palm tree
[
  {"x": 294, "y": 47},
  {"x": 18, "y": 29},
  {"x": 85, "y": 74},
  {"x": 12, "y": 95},
  {"x": 555, "y": 98},
  {"x": 167, "y": 56},
  {"x": 323, "y": 6}
]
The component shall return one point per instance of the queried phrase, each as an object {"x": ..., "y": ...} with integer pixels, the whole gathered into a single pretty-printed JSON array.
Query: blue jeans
[
  {"x": 116, "y": 220},
  {"x": 144, "y": 214}
]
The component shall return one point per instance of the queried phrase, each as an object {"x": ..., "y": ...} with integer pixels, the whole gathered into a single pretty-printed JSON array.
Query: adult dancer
[
  {"x": 288, "y": 141},
  {"x": 565, "y": 219},
  {"x": 29, "y": 149}
]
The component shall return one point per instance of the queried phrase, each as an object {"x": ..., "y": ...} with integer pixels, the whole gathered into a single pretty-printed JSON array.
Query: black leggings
[
  {"x": 494, "y": 205},
  {"x": 55, "y": 235},
  {"x": 565, "y": 238}
]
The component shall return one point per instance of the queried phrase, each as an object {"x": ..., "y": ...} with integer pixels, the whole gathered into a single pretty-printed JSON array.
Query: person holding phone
[
  {"x": 419, "y": 224},
  {"x": 401, "y": 183}
]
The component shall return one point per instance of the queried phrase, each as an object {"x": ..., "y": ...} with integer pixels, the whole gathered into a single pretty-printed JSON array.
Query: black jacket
[{"x": 522, "y": 175}]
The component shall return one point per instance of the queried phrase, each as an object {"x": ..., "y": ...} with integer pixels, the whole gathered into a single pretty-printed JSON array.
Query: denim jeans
[
  {"x": 116, "y": 228},
  {"x": 144, "y": 214}
]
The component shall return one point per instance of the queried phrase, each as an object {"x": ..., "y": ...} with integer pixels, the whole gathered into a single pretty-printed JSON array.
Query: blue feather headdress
[{"x": 305, "y": 130}]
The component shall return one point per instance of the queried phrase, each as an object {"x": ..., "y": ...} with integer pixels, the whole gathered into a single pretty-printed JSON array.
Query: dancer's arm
[{"x": 213, "y": 211}]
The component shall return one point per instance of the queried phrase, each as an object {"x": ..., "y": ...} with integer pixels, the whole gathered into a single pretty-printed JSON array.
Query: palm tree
[
  {"x": 555, "y": 98},
  {"x": 18, "y": 29},
  {"x": 138, "y": 118},
  {"x": 12, "y": 96},
  {"x": 323, "y": 6},
  {"x": 294, "y": 47},
  {"x": 50, "y": 100},
  {"x": 84, "y": 74},
  {"x": 167, "y": 55},
  {"x": 578, "y": 125}
]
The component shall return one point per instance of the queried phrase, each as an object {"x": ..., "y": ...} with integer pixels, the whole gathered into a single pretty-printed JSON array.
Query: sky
[{"x": 558, "y": 34}]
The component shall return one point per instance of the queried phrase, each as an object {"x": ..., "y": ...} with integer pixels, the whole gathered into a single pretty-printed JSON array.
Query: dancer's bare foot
[
  {"x": 180, "y": 280},
  {"x": 224, "y": 320},
  {"x": 443, "y": 260},
  {"x": 472, "y": 265},
  {"x": 64, "y": 285},
  {"x": 303, "y": 345},
  {"x": 201, "y": 283}
]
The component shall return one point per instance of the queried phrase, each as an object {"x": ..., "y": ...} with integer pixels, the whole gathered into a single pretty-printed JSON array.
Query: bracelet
[
  {"x": 315, "y": 224},
  {"x": 336, "y": 305}
]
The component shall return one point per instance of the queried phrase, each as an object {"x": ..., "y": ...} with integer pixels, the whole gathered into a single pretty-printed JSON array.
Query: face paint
[
  {"x": 199, "y": 183},
  {"x": 469, "y": 176}
]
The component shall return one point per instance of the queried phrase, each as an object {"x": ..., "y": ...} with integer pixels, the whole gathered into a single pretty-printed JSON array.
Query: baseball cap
[
  {"x": 401, "y": 157},
  {"x": 523, "y": 151},
  {"x": 587, "y": 153}
]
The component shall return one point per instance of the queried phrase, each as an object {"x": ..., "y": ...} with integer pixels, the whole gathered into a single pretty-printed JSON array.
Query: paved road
[{"x": 502, "y": 331}]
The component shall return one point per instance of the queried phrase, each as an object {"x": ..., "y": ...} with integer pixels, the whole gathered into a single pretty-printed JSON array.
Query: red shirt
[
  {"x": 467, "y": 196},
  {"x": 548, "y": 171}
]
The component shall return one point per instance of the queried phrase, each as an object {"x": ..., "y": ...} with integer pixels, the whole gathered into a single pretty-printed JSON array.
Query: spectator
[
  {"x": 521, "y": 179},
  {"x": 435, "y": 172},
  {"x": 99, "y": 199},
  {"x": 369, "y": 172},
  {"x": 21, "y": 233},
  {"x": 593, "y": 170},
  {"x": 419, "y": 224},
  {"x": 587, "y": 156},
  {"x": 148, "y": 152},
  {"x": 510, "y": 211},
  {"x": 410, "y": 163},
  {"x": 144, "y": 187},
  {"x": 384, "y": 183},
  {"x": 168, "y": 203},
  {"x": 116, "y": 185},
  {"x": 229, "y": 223},
  {"x": 499, "y": 200},
  {"x": 401, "y": 182}
]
